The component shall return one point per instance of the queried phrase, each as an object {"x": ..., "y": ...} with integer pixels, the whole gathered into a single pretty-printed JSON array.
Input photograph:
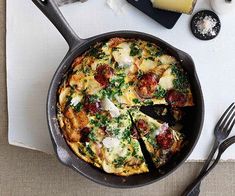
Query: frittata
[{"x": 100, "y": 97}]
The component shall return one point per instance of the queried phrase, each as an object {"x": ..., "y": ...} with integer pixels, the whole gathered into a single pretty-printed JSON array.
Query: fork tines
[{"x": 227, "y": 120}]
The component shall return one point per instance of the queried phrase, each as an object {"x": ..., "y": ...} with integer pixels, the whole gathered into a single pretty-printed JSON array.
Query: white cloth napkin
[{"x": 35, "y": 49}]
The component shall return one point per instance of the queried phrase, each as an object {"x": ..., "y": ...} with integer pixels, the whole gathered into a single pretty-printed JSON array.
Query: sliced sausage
[
  {"x": 143, "y": 127},
  {"x": 147, "y": 85},
  {"x": 103, "y": 74},
  {"x": 91, "y": 106},
  {"x": 134, "y": 133},
  {"x": 115, "y": 41},
  {"x": 84, "y": 134},
  {"x": 176, "y": 98},
  {"x": 165, "y": 140}
]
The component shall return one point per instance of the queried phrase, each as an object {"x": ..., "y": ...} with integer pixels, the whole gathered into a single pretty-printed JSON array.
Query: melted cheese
[
  {"x": 115, "y": 149},
  {"x": 106, "y": 50},
  {"x": 77, "y": 80},
  {"x": 127, "y": 96},
  {"x": 166, "y": 81},
  {"x": 111, "y": 142},
  {"x": 108, "y": 167},
  {"x": 63, "y": 95},
  {"x": 108, "y": 105},
  {"x": 167, "y": 59},
  {"x": 105, "y": 60},
  {"x": 92, "y": 86},
  {"x": 122, "y": 55},
  {"x": 76, "y": 99},
  {"x": 99, "y": 62},
  {"x": 147, "y": 65},
  {"x": 159, "y": 101}
]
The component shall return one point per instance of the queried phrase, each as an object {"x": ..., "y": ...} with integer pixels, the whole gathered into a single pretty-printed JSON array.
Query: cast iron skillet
[{"x": 76, "y": 47}]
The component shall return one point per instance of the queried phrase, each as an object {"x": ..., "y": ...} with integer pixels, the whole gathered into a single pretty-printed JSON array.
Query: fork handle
[
  {"x": 195, "y": 191},
  {"x": 198, "y": 180}
]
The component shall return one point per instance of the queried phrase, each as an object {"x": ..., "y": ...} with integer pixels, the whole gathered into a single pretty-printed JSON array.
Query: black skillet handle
[{"x": 52, "y": 12}]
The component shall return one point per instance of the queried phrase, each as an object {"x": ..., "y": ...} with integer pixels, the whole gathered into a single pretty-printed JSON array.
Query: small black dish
[{"x": 197, "y": 17}]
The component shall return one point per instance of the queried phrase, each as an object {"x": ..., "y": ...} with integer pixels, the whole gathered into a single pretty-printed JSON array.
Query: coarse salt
[{"x": 205, "y": 26}]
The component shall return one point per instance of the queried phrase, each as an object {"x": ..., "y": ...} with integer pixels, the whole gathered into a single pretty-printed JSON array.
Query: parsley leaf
[
  {"x": 78, "y": 107},
  {"x": 140, "y": 74},
  {"x": 126, "y": 135},
  {"x": 148, "y": 102},
  {"x": 96, "y": 53},
  {"x": 181, "y": 82},
  {"x": 89, "y": 150},
  {"x": 135, "y": 100},
  {"x": 92, "y": 136},
  {"x": 119, "y": 162},
  {"x": 135, "y": 50},
  {"x": 160, "y": 93}
]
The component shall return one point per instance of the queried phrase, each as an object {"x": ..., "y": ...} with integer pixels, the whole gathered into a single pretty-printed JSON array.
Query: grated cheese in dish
[{"x": 206, "y": 25}]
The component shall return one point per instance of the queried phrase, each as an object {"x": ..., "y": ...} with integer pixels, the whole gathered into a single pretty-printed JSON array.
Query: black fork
[
  {"x": 222, "y": 130},
  {"x": 228, "y": 142}
]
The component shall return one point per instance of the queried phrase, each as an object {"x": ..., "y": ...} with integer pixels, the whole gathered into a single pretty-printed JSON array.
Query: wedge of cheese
[{"x": 181, "y": 6}]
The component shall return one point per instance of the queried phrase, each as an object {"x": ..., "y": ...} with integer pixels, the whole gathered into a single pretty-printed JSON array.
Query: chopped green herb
[
  {"x": 160, "y": 93},
  {"x": 151, "y": 139},
  {"x": 101, "y": 121},
  {"x": 154, "y": 50},
  {"x": 150, "y": 58},
  {"x": 86, "y": 69},
  {"x": 126, "y": 134},
  {"x": 116, "y": 65},
  {"x": 116, "y": 131},
  {"x": 98, "y": 116},
  {"x": 93, "y": 98},
  {"x": 148, "y": 102},
  {"x": 116, "y": 48},
  {"x": 97, "y": 53},
  {"x": 119, "y": 162},
  {"x": 158, "y": 53},
  {"x": 135, "y": 100},
  {"x": 140, "y": 158},
  {"x": 115, "y": 87},
  {"x": 140, "y": 74},
  {"x": 94, "y": 122},
  {"x": 135, "y": 149},
  {"x": 135, "y": 50},
  {"x": 181, "y": 82},
  {"x": 68, "y": 99},
  {"x": 81, "y": 151},
  {"x": 118, "y": 81},
  {"x": 119, "y": 118},
  {"x": 92, "y": 136},
  {"x": 78, "y": 107},
  {"x": 89, "y": 150}
]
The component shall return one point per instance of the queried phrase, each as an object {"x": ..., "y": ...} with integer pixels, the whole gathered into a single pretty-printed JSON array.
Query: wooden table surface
[{"x": 26, "y": 172}]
